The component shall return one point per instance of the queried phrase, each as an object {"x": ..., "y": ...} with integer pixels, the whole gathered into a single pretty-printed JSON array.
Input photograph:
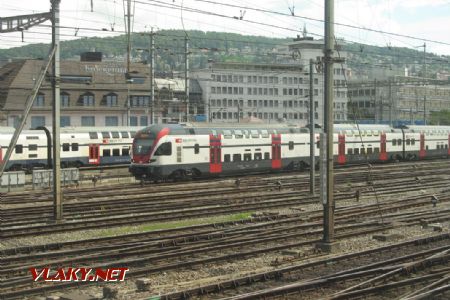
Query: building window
[
  {"x": 64, "y": 97},
  {"x": 64, "y": 121},
  {"x": 39, "y": 101},
  {"x": 87, "y": 121},
  {"x": 110, "y": 100},
  {"x": 144, "y": 120},
  {"x": 133, "y": 121},
  {"x": 140, "y": 101},
  {"x": 87, "y": 99},
  {"x": 37, "y": 121},
  {"x": 111, "y": 121}
]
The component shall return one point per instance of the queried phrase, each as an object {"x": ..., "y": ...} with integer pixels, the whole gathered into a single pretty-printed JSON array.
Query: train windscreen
[{"x": 142, "y": 146}]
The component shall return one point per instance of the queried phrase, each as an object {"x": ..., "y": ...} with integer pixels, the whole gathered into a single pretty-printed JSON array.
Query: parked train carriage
[
  {"x": 80, "y": 146},
  {"x": 30, "y": 149},
  {"x": 434, "y": 141}
]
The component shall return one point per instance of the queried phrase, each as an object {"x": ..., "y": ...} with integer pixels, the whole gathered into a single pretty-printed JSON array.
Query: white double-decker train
[
  {"x": 80, "y": 146},
  {"x": 184, "y": 150}
]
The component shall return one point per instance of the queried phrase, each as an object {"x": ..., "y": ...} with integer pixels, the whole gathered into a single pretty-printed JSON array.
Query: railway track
[
  {"x": 401, "y": 201},
  {"x": 155, "y": 203},
  {"x": 152, "y": 252}
]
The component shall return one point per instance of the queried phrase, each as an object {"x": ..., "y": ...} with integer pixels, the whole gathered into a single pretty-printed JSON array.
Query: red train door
[
  {"x": 215, "y": 154},
  {"x": 94, "y": 154},
  {"x": 276, "y": 151},
  {"x": 422, "y": 151},
  {"x": 383, "y": 154},
  {"x": 341, "y": 149}
]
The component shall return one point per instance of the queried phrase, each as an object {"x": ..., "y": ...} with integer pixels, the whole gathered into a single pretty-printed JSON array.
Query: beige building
[
  {"x": 398, "y": 99},
  {"x": 93, "y": 93}
]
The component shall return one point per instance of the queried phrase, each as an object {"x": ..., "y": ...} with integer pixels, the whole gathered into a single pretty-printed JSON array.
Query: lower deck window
[
  {"x": 237, "y": 157},
  {"x": 116, "y": 152},
  {"x": 247, "y": 157},
  {"x": 227, "y": 158},
  {"x": 106, "y": 152}
]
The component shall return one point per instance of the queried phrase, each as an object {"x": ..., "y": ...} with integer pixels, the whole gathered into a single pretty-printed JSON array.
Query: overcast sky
[{"x": 422, "y": 19}]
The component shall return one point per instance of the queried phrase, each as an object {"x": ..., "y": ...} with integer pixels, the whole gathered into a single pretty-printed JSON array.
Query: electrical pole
[
  {"x": 57, "y": 193},
  {"x": 328, "y": 242},
  {"x": 425, "y": 89},
  {"x": 390, "y": 103},
  {"x": 128, "y": 35},
  {"x": 312, "y": 163},
  {"x": 152, "y": 77},
  {"x": 186, "y": 75}
]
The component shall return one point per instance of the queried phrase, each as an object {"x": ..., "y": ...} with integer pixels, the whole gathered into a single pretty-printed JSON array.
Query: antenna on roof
[{"x": 292, "y": 10}]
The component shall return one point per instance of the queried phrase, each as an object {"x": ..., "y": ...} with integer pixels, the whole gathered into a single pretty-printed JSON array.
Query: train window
[
  {"x": 399, "y": 142},
  {"x": 264, "y": 133},
  {"x": 376, "y": 150},
  {"x": 291, "y": 145},
  {"x": 106, "y": 135},
  {"x": 32, "y": 137},
  {"x": 349, "y": 151},
  {"x": 356, "y": 151},
  {"x": 369, "y": 150},
  {"x": 32, "y": 147},
  {"x": 196, "y": 148},
  {"x": 19, "y": 149},
  {"x": 66, "y": 147},
  {"x": 394, "y": 142},
  {"x": 125, "y": 135},
  {"x": 258, "y": 156},
  {"x": 115, "y": 135},
  {"x": 106, "y": 152},
  {"x": 132, "y": 134},
  {"x": 426, "y": 148},
  {"x": 363, "y": 151},
  {"x": 247, "y": 156},
  {"x": 32, "y": 155},
  {"x": 227, "y": 134},
  {"x": 246, "y": 133},
  {"x": 318, "y": 144},
  {"x": 164, "y": 149},
  {"x": 125, "y": 151},
  {"x": 237, "y": 157},
  {"x": 93, "y": 135},
  {"x": 266, "y": 155},
  {"x": 254, "y": 133},
  {"x": 238, "y": 134},
  {"x": 413, "y": 141},
  {"x": 116, "y": 152},
  {"x": 227, "y": 158},
  {"x": 408, "y": 142},
  {"x": 74, "y": 146}
]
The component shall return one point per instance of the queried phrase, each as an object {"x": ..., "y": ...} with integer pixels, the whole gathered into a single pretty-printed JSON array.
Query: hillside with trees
[{"x": 221, "y": 46}]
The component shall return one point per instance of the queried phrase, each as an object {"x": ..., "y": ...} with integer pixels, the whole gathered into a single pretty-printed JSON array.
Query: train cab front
[{"x": 144, "y": 164}]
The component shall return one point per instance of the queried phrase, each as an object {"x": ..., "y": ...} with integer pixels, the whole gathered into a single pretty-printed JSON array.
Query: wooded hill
[{"x": 221, "y": 46}]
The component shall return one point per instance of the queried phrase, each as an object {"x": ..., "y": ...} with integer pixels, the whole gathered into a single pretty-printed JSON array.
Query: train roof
[
  {"x": 210, "y": 128},
  {"x": 11, "y": 130},
  {"x": 428, "y": 128}
]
